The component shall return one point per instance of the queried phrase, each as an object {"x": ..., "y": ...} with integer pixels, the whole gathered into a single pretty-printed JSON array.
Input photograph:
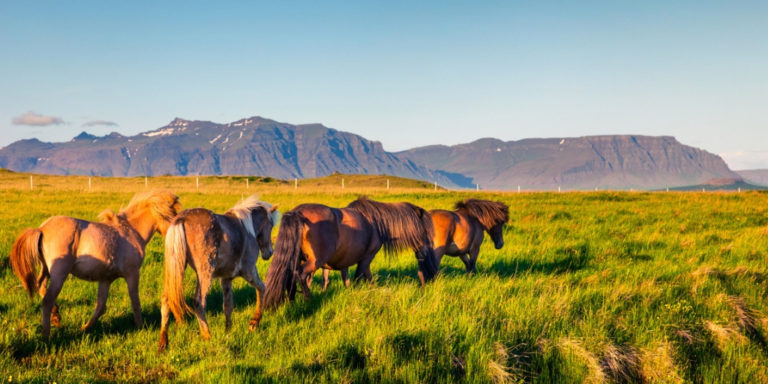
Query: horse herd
[{"x": 225, "y": 246}]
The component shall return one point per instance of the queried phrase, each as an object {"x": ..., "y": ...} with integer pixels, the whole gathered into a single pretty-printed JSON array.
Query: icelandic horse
[
  {"x": 313, "y": 236},
  {"x": 94, "y": 251},
  {"x": 215, "y": 246},
  {"x": 460, "y": 232}
]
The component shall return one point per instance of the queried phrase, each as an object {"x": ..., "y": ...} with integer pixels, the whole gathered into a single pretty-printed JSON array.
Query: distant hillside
[
  {"x": 755, "y": 176},
  {"x": 613, "y": 162},
  {"x": 722, "y": 185},
  {"x": 252, "y": 146}
]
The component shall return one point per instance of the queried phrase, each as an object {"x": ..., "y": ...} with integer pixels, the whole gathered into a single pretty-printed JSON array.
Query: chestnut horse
[
  {"x": 460, "y": 232},
  {"x": 314, "y": 236},
  {"x": 224, "y": 246},
  {"x": 91, "y": 251}
]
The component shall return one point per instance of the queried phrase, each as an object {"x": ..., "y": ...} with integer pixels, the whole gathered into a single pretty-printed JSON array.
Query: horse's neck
[
  {"x": 144, "y": 226},
  {"x": 472, "y": 220}
]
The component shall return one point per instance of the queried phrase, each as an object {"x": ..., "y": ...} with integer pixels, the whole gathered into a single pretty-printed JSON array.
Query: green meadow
[{"x": 594, "y": 287}]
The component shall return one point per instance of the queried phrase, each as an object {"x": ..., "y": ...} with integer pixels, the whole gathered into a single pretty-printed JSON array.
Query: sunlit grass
[{"x": 590, "y": 287}]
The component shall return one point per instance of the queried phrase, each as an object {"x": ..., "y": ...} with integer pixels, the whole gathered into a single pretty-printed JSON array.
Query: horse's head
[
  {"x": 497, "y": 235},
  {"x": 492, "y": 215},
  {"x": 264, "y": 219}
]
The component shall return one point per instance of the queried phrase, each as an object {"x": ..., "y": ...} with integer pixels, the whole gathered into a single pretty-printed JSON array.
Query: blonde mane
[
  {"x": 242, "y": 211},
  {"x": 163, "y": 205}
]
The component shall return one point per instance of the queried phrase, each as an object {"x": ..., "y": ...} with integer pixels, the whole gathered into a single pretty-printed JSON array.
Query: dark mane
[
  {"x": 488, "y": 213},
  {"x": 400, "y": 225}
]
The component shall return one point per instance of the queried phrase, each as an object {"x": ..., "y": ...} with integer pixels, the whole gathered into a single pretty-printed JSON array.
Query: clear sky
[{"x": 407, "y": 73}]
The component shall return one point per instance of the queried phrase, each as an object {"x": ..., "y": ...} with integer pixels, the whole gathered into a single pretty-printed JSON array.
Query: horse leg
[
  {"x": 164, "y": 316},
  {"x": 203, "y": 283},
  {"x": 58, "y": 275},
  {"x": 42, "y": 282},
  {"x": 253, "y": 279},
  {"x": 465, "y": 259},
  {"x": 473, "y": 254},
  {"x": 133, "y": 292},
  {"x": 226, "y": 289},
  {"x": 364, "y": 268},
  {"x": 345, "y": 277},
  {"x": 309, "y": 281},
  {"x": 326, "y": 278},
  {"x": 101, "y": 305}
]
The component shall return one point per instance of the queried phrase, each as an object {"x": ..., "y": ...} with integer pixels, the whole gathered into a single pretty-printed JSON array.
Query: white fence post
[{"x": 31, "y": 184}]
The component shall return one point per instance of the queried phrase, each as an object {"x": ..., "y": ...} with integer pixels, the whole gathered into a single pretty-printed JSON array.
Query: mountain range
[{"x": 260, "y": 146}]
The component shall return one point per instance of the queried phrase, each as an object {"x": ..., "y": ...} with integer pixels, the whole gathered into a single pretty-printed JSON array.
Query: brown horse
[
  {"x": 314, "y": 236},
  {"x": 224, "y": 246},
  {"x": 460, "y": 232},
  {"x": 91, "y": 251}
]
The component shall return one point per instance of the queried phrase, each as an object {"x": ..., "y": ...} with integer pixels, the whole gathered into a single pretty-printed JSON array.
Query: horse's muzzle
[{"x": 499, "y": 244}]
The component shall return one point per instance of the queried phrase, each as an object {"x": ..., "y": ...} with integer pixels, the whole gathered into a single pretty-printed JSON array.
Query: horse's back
[
  {"x": 356, "y": 235},
  {"x": 454, "y": 232},
  {"x": 201, "y": 230}
]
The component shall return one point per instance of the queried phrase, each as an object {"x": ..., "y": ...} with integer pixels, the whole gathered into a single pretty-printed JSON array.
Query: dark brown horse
[
  {"x": 224, "y": 246},
  {"x": 92, "y": 251},
  {"x": 313, "y": 236},
  {"x": 460, "y": 232}
]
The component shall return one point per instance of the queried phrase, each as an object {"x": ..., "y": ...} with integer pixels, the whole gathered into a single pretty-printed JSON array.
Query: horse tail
[
  {"x": 281, "y": 276},
  {"x": 175, "y": 263},
  {"x": 26, "y": 253}
]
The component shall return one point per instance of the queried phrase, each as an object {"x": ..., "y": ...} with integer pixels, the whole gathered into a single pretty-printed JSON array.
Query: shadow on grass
[
  {"x": 302, "y": 307},
  {"x": 70, "y": 333}
]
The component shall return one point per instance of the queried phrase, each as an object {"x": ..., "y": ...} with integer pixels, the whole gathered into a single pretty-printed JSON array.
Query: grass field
[{"x": 590, "y": 287}]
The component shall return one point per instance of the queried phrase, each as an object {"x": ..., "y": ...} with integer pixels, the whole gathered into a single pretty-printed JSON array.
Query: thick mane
[
  {"x": 400, "y": 225},
  {"x": 163, "y": 205},
  {"x": 488, "y": 213},
  {"x": 242, "y": 211},
  {"x": 108, "y": 216}
]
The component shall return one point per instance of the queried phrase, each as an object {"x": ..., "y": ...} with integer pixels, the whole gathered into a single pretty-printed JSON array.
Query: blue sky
[{"x": 404, "y": 73}]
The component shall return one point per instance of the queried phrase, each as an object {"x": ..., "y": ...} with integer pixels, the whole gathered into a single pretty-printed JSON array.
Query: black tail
[
  {"x": 402, "y": 226},
  {"x": 281, "y": 275}
]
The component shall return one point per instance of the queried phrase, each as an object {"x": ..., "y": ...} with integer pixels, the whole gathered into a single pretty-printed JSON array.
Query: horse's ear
[{"x": 274, "y": 208}]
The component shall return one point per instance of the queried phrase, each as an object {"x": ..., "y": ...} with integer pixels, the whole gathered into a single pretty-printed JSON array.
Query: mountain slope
[
  {"x": 615, "y": 162},
  {"x": 252, "y": 146},
  {"x": 755, "y": 176}
]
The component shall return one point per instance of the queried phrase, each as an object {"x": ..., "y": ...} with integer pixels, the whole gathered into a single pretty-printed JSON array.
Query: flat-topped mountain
[
  {"x": 252, "y": 146},
  {"x": 614, "y": 162}
]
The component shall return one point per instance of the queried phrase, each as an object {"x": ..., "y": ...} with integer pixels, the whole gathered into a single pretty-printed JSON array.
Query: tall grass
[{"x": 590, "y": 287}]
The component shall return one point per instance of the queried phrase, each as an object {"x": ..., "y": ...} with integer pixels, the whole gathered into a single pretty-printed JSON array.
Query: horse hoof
[
  {"x": 253, "y": 324},
  {"x": 161, "y": 346},
  {"x": 55, "y": 320}
]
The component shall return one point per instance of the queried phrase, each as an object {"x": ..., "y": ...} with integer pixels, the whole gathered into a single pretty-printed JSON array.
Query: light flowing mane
[
  {"x": 163, "y": 205},
  {"x": 242, "y": 211},
  {"x": 488, "y": 213}
]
